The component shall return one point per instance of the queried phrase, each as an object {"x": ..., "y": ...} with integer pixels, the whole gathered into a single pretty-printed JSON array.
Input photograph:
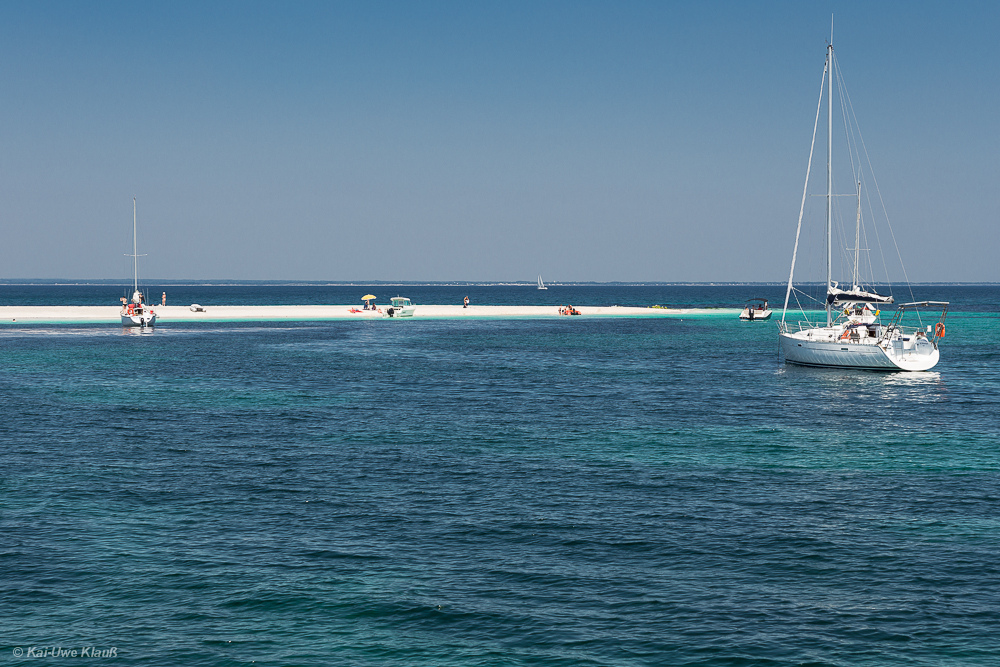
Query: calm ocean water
[{"x": 524, "y": 492}]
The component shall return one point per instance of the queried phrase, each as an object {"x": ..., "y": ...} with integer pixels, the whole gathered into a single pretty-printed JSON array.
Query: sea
[{"x": 558, "y": 491}]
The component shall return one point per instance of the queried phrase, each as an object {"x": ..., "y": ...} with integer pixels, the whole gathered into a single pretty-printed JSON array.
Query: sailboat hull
[
  {"x": 896, "y": 355},
  {"x": 139, "y": 320}
]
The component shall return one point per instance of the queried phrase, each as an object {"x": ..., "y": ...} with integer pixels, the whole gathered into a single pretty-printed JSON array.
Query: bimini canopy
[{"x": 835, "y": 296}]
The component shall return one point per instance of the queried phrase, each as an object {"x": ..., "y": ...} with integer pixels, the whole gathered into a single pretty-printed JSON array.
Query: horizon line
[{"x": 165, "y": 282}]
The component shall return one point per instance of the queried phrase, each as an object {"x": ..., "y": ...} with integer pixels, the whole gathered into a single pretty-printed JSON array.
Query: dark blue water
[{"x": 489, "y": 492}]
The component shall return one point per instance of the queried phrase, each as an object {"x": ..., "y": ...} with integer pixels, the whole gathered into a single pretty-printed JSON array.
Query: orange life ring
[
  {"x": 846, "y": 334},
  {"x": 939, "y": 330}
]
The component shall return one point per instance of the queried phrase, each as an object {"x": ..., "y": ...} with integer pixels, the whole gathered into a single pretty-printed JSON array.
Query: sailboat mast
[
  {"x": 135, "y": 254},
  {"x": 805, "y": 190},
  {"x": 829, "y": 181},
  {"x": 857, "y": 241}
]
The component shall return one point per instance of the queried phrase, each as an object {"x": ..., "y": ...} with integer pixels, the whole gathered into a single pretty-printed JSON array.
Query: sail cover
[{"x": 835, "y": 296}]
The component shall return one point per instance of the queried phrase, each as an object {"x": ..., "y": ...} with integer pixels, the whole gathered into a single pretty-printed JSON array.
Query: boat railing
[
  {"x": 851, "y": 335},
  {"x": 800, "y": 325},
  {"x": 896, "y": 324}
]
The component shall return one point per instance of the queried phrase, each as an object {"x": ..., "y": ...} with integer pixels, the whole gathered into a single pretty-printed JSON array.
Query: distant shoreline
[{"x": 57, "y": 282}]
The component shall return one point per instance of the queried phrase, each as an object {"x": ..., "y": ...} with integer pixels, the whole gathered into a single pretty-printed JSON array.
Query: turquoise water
[{"x": 490, "y": 492}]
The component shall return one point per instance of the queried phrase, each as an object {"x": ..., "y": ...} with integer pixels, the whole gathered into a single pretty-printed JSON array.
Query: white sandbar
[{"x": 166, "y": 314}]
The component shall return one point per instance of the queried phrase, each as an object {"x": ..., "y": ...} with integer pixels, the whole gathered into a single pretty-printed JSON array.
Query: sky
[{"x": 481, "y": 141}]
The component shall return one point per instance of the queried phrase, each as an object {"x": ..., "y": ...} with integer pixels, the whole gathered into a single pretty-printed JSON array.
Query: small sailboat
[
  {"x": 541, "y": 285},
  {"x": 854, "y": 335},
  {"x": 135, "y": 311}
]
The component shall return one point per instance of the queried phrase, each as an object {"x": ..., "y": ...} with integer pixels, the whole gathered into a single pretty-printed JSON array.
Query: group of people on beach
[
  {"x": 369, "y": 305},
  {"x": 563, "y": 310}
]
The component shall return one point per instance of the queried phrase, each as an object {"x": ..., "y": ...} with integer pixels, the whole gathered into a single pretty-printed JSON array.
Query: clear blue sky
[{"x": 480, "y": 141}]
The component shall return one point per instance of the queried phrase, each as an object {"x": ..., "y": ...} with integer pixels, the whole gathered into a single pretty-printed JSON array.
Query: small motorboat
[
  {"x": 197, "y": 308},
  {"x": 400, "y": 306},
  {"x": 756, "y": 309}
]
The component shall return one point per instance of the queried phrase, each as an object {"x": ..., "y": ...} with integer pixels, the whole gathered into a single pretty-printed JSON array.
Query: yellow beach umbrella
[{"x": 367, "y": 296}]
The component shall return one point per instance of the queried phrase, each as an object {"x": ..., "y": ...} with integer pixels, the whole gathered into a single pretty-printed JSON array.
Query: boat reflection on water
[
  {"x": 913, "y": 379},
  {"x": 845, "y": 386},
  {"x": 853, "y": 381},
  {"x": 137, "y": 331}
]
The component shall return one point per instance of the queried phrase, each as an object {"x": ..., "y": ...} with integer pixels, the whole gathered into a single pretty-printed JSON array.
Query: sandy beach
[{"x": 166, "y": 314}]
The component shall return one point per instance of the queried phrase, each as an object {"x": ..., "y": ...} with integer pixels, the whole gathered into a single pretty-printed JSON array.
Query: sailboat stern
[{"x": 142, "y": 316}]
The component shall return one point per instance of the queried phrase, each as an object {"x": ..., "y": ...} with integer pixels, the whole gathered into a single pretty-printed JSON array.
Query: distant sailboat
[
  {"x": 135, "y": 312},
  {"x": 541, "y": 285}
]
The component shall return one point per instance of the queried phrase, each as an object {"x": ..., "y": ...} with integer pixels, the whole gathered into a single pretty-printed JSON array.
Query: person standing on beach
[
  {"x": 465, "y": 303},
  {"x": 163, "y": 301}
]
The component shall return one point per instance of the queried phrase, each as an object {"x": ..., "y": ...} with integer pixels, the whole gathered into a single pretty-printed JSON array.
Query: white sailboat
[
  {"x": 854, "y": 335},
  {"x": 135, "y": 311},
  {"x": 541, "y": 285}
]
